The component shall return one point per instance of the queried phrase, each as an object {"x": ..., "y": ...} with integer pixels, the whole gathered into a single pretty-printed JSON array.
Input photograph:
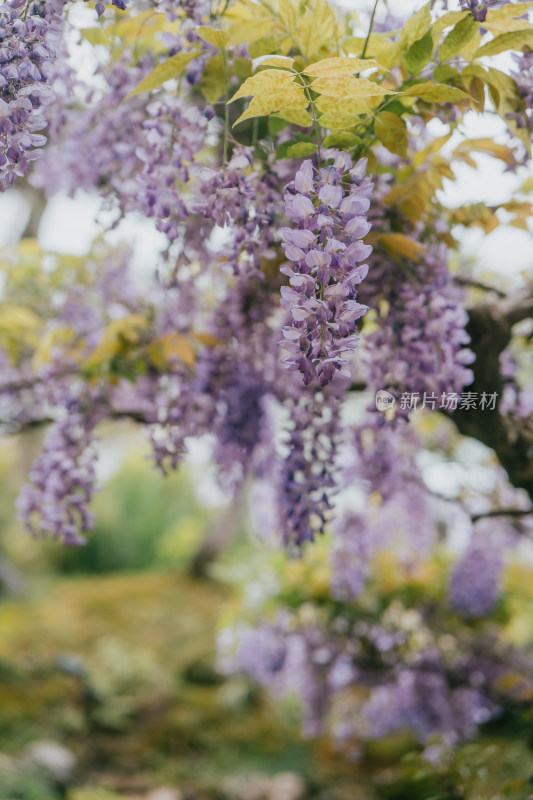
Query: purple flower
[
  {"x": 479, "y": 8},
  {"x": 324, "y": 253}
]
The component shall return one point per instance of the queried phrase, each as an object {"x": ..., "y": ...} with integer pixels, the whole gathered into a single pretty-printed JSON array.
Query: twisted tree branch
[{"x": 511, "y": 438}]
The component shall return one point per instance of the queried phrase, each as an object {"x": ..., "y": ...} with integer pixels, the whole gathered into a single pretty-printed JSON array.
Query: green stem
[
  {"x": 316, "y": 124},
  {"x": 363, "y": 54},
  {"x": 226, "y": 106}
]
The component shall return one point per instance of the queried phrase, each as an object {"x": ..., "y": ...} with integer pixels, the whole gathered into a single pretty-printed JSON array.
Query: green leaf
[
  {"x": 342, "y": 139},
  {"x": 458, "y": 37},
  {"x": 301, "y": 149},
  {"x": 242, "y": 68},
  {"x": 419, "y": 54},
  {"x": 275, "y": 126},
  {"x": 164, "y": 72},
  {"x": 417, "y": 26},
  {"x": 392, "y": 133},
  {"x": 436, "y": 93},
  {"x": 282, "y": 150},
  {"x": 265, "y": 46},
  {"x": 212, "y": 81},
  {"x": 213, "y": 36},
  {"x": 516, "y": 40},
  {"x": 444, "y": 72},
  {"x": 449, "y": 19}
]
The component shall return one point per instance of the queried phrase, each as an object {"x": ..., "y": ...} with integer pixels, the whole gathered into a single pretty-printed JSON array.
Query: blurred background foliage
[{"x": 108, "y": 679}]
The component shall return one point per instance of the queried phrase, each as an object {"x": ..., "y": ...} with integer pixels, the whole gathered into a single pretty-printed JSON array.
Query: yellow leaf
[
  {"x": 516, "y": 40},
  {"x": 164, "y": 72},
  {"x": 165, "y": 349},
  {"x": 489, "y": 146},
  {"x": 119, "y": 336},
  {"x": 341, "y": 105},
  {"x": 391, "y": 130},
  {"x": 449, "y": 19},
  {"x": 339, "y": 67},
  {"x": 56, "y": 337},
  {"x": 458, "y": 38},
  {"x": 349, "y": 88},
  {"x": 264, "y": 82},
  {"x": 212, "y": 80},
  {"x": 213, "y": 36},
  {"x": 508, "y": 12},
  {"x": 417, "y": 25},
  {"x": 436, "y": 93},
  {"x": 315, "y": 29},
  {"x": 298, "y": 116},
  {"x": 399, "y": 244},
  {"x": 281, "y": 103},
  {"x": 507, "y": 26},
  {"x": 207, "y": 339},
  {"x": 18, "y": 319},
  {"x": 283, "y": 62},
  {"x": 244, "y": 31}
]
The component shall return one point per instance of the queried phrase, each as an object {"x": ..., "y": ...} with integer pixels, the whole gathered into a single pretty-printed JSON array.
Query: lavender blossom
[
  {"x": 325, "y": 251},
  {"x": 28, "y": 39},
  {"x": 475, "y": 582},
  {"x": 56, "y": 501}
]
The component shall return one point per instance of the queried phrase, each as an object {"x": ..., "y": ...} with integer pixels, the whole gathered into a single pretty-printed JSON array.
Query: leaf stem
[
  {"x": 363, "y": 54},
  {"x": 226, "y": 106}
]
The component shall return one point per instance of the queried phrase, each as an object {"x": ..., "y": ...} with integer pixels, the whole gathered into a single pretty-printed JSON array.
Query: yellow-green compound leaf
[
  {"x": 281, "y": 62},
  {"x": 264, "y": 46},
  {"x": 449, "y": 19},
  {"x": 352, "y": 106},
  {"x": 274, "y": 92},
  {"x": 417, "y": 25},
  {"x": 349, "y": 88},
  {"x": 391, "y": 131},
  {"x": 213, "y": 36},
  {"x": 508, "y": 12},
  {"x": 339, "y": 67},
  {"x": 436, "y": 93},
  {"x": 341, "y": 139},
  {"x": 419, "y": 54},
  {"x": 265, "y": 82},
  {"x": 296, "y": 115},
  {"x": 398, "y": 244},
  {"x": 301, "y": 150},
  {"x": 212, "y": 81},
  {"x": 339, "y": 113},
  {"x": 516, "y": 40},
  {"x": 164, "y": 72},
  {"x": 458, "y": 37},
  {"x": 507, "y": 26}
]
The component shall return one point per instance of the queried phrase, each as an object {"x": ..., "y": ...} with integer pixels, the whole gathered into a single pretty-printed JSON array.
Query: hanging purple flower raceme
[
  {"x": 56, "y": 501},
  {"x": 305, "y": 482},
  {"x": 420, "y": 347},
  {"x": 325, "y": 251},
  {"x": 28, "y": 40},
  {"x": 475, "y": 583}
]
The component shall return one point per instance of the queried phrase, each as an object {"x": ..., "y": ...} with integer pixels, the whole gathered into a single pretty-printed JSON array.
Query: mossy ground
[{"x": 120, "y": 669}]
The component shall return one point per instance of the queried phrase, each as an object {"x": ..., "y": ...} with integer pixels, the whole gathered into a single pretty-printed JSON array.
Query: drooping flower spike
[{"x": 326, "y": 258}]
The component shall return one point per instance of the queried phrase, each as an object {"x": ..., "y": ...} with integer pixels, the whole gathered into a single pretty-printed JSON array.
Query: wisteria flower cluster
[
  {"x": 62, "y": 480},
  {"x": 325, "y": 252},
  {"x": 28, "y": 40}
]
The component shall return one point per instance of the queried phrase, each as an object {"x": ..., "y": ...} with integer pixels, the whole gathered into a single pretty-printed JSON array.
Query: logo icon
[{"x": 384, "y": 400}]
